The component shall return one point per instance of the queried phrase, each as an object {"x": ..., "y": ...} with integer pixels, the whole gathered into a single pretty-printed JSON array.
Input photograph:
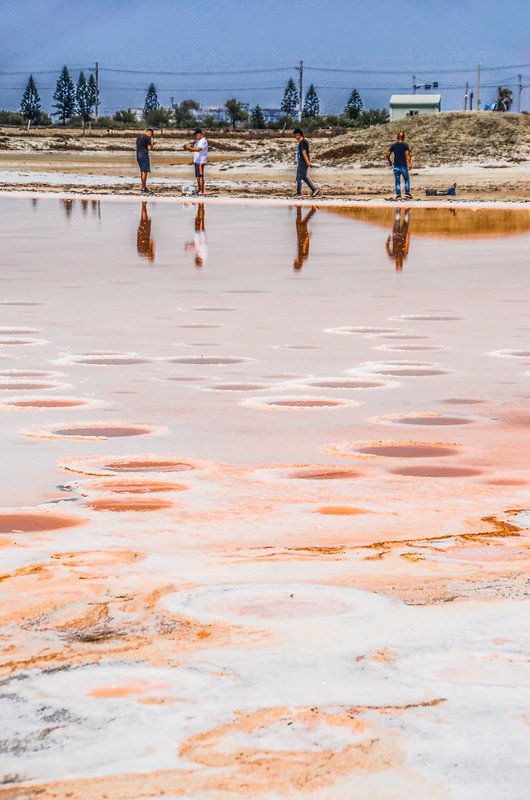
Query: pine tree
[
  {"x": 65, "y": 96},
  {"x": 257, "y": 119},
  {"x": 151, "y": 100},
  {"x": 354, "y": 105},
  {"x": 290, "y": 99},
  {"x": 85, "y": 99},
  {"x": 311, "y": 104},
  {"x": 30, "y": 103},
  {"x": 93, "y": 93}
]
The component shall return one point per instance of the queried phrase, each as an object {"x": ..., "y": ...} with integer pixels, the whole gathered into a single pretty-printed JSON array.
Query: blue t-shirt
[
  {"x": 142, "y": 145},
  {"x": 400, "y": 149},
  {"x": 303, "y": 145}
]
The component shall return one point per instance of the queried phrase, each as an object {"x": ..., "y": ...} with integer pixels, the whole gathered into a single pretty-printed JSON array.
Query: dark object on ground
[{"x": 441, "y": 192}]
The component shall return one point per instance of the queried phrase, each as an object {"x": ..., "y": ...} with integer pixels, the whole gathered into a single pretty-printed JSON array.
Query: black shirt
[
  {"x": 142, "y": 143},
  {"x": 399, "y": 149},
  {"x": 303, "y": 146}
]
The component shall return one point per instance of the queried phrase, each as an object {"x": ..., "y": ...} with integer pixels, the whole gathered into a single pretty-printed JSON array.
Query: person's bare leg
[
  {"x": 143, "y": 176},
  {"x": 200, "y": 181}
]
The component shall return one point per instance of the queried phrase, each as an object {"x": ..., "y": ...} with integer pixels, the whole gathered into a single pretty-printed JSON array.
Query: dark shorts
[
  {"x": 144, "y": 163},
  {"x": 199, "y": 170}
]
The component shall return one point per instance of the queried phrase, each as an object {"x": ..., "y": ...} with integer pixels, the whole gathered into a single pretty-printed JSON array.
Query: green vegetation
[
  {"x": 354, "y": 105},
  {"x": 290, "y": 99},
  {"x": 64, "y": 96},
  {"x": 235, "y": 111},
  {"x": 311, "y": 103},
  {"x": 257, "y": 120},
  {"x": 85, "y": 94},
  {"x": 504, "y": 99},
  {"x": 127, "y": 117},
  {"x": 183, "y": 114},
  {"x": 30, "y": 103}
]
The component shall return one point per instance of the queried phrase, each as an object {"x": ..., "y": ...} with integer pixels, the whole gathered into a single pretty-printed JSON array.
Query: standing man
[
  {"x": 144, "y": 144},
  {"x": 402, "y": 164},
  {"x": 200, "y": 156},
  {"x": 303, "y": 164}
]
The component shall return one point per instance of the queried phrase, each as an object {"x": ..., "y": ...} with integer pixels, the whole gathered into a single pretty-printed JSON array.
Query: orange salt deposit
[{"x": 197, "y": 614}]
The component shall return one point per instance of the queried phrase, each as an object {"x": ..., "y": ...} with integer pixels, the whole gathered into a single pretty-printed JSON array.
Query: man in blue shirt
[
  {"x": 402, "y": 163},
  {"x": 144, "y": 144},
  {"x": 303, "y": 164}
]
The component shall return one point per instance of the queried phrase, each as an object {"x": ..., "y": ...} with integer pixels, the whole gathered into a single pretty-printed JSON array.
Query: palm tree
[{"x": 504, "y": 99}]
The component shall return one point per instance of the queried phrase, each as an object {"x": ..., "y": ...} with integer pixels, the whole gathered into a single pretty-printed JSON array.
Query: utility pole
[
  {"x": 466, "y": 95},
  {"x": 300, "y": 69},
  {"x": 96, "y": 110},
  {"x": 471, "y": 100},
  {"x": 520, "y": 87},
  {"x": 477, "y": 104}
]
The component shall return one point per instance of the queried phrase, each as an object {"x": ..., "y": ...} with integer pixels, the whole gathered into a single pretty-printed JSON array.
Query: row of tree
[
  {"x": 78, "y": 100},
  {"x": 70, "y": 99},
  {"x": 311, "y": 106}
]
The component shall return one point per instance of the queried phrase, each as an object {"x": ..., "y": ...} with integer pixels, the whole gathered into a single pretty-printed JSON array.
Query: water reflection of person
[
  {"x": 199, "y": 245},
  {"x": 144, "y": 244},
  {"x": 303, "y": 236},
  {"x": 398, "y": 243}
]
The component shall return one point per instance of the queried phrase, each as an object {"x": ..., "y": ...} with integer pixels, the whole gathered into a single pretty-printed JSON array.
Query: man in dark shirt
[
  {"x": 303, "y": 164},
  {"x": 144, "y": 144},
  {"x": 402, "y": 163}
]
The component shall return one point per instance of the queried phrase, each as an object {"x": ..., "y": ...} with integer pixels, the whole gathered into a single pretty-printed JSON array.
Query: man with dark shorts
[
  {"x": 402, "y": 163},
  {"x": 144, "y": 144},
  {"x": 303, "y": 164},
  {"x": 200, "y": 156}
]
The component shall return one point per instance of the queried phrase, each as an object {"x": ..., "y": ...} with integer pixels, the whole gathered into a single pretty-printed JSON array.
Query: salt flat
[{"x": 264, "y": 509}]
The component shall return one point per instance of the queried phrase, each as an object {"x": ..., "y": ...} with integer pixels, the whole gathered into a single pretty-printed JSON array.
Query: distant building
[
  {"x": 273, "y": 114},
  {"x": 219, "y": 113},
  {"x": 409, "y": 105}
]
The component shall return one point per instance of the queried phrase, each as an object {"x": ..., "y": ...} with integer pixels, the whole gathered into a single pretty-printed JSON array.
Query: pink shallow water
[{"x": 272, "y": 506}]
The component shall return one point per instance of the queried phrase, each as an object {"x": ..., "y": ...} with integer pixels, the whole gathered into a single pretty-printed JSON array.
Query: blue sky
[{"x": 421, "y": 37}]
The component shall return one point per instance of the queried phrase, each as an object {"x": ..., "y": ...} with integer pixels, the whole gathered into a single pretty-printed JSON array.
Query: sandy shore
[{"x": 231, "y": 175}]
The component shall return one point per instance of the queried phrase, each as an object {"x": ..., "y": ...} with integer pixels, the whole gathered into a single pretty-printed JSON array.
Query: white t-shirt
[{"x": 200, "y": 158}]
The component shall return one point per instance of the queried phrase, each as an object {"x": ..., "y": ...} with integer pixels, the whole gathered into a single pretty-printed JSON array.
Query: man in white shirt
[{"x": 200, "y": 156}]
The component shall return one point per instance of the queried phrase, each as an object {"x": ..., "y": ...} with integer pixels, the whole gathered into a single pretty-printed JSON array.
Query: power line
[
  {"x": 344, "y": 70},
  {"x": 417, "y": 69},
  {"x": 195, "y": 72},
  {"x": 27, "y": 72}
]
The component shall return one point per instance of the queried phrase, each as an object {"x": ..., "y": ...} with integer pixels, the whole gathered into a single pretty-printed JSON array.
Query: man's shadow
[
  {"x": 398, "y": 242},
  {"x": 144, "y": 244},
  {"x": 303, "y": 236},
  {"x": 199, "y": 245}
]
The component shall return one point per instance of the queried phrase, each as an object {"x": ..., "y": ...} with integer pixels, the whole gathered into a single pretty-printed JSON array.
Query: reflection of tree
[
  {"x": 199, "y": 244},
  {"x": 398, "y": 243},
  {"x": 144, "y": 244},
  {"x": 303, "y": 236},
  {"x": 68, "y": 206}
]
